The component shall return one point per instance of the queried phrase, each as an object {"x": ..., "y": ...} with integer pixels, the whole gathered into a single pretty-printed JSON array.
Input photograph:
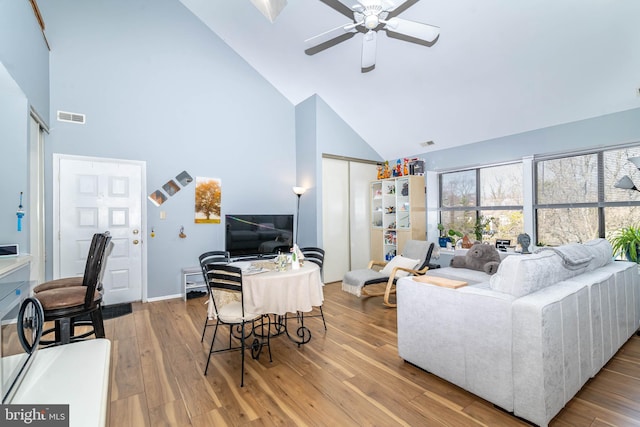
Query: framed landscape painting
[{"x": 208, "y": 200}]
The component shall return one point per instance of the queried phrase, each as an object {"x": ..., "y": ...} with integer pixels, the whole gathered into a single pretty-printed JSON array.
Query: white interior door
[
  {"x": 345, "y": 216},
  {"x": 96, "y": 195},
  {"x": 360, "y": 177},
  {"x": 335, "y": 218}
]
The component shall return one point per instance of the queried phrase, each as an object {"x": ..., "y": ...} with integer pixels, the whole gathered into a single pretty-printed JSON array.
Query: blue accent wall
[
  {"x": 594, "y": 133},
  {"x": 320, "y": 131},
  {"x": 24, "y": 53},
  {"x": 24, "y": 83}
]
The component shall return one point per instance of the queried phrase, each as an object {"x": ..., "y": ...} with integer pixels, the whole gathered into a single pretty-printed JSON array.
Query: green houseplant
[{"x": 626, "y": 242}]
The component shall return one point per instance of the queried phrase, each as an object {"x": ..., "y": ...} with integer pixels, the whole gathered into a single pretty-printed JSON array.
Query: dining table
[{"x": 285, "y": 294}]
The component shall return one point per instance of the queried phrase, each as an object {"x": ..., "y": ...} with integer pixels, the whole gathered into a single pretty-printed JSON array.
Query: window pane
[
  {"x": 501, "y": 185},
  {"x": 459, "y": 189},
  {"x": 617, "y": 165},
  {"x": 462, "y": 221},
  {"x": 567, "y": 225},
  {"x": 568, "y": 180},
  {"x": 502, "y": 225},
  {"x": 616, "y": 218}
]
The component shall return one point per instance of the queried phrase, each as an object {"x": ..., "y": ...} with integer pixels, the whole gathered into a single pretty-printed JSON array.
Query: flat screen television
[{"x": 258, "y": 234}]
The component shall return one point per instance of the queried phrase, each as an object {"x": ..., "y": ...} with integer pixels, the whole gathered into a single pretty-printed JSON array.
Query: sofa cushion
[
  {"x": 602, "y": 253},
  {"x": 519, "y": 275},
  {"x": 400, "y": 261}
]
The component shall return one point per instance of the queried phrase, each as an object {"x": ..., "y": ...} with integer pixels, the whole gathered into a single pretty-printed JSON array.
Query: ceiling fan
[{"x": 370, "y": 16}]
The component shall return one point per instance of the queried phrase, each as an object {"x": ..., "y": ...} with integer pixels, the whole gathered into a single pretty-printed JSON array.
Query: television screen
[{"x": 258, "y": 234}]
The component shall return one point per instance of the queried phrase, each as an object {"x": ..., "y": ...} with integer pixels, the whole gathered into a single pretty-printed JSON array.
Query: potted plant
[
  {"x": 481, "y": 225},
  {"x": 626, "y": 242},
  {"x": 448, "y": 236}
]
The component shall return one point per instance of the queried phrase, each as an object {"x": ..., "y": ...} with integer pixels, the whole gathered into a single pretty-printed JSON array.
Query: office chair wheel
[{"x": 30, "y": 321}]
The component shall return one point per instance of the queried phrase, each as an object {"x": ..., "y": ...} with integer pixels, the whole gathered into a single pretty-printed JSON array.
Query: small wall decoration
[
  {"x": 157, "y": 197},
  {"x": 171, "y": 187},
  {"x": 184, "y": 178},
  {"x": 208, "y": 200}
]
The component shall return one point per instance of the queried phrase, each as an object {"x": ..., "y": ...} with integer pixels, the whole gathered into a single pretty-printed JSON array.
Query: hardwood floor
[{"x": 350, "y": 375}]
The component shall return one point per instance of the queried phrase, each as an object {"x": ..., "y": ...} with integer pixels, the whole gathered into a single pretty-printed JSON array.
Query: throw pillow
[{"x": 400, "y": 261}]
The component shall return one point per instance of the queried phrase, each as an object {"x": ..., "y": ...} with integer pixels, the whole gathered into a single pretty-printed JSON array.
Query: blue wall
[
  {"x": 24, "y": 53},
  {"x": 157, "y": 85},
  {"x": 598, "y": 132},
  {"x": 319, "y": 131},
  {"x": 24, "y": 83}
]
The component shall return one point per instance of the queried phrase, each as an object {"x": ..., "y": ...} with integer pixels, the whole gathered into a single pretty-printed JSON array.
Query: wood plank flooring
[{"x": 350, "y": 375}]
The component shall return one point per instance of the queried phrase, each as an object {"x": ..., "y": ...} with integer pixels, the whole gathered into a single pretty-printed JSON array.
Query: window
[
  {"x": 576, "y": 200},
  {"x": 484, "y": 203}
]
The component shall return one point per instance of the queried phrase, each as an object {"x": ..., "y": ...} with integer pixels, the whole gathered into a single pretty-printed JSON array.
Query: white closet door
[
  {"x": 335, "y": 218},
  {"x": 360, "y": 177}
]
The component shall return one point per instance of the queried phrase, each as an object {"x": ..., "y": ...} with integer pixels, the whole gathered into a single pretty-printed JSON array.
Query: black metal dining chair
[
  {"x": 206, "y": 259},
  {"x": 222, "y": 279},
  {"x": 316, "y": 256}
]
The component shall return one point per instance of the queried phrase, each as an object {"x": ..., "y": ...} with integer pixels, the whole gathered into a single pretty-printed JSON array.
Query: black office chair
[
  {"x": 211, "y": 257},
  {"x": 316, "y": 256},
  {"x": 63, "y": 305},
  {"x": 223, "y": 279}
]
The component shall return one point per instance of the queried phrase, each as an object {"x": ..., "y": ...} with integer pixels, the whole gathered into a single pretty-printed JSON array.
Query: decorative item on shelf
[
  {"x": 626, "y": 242},
  {"x": 406, "y": 167},
  {"x": 398, "y": 170},
  {"x": 392, "y": 226},
  {"x": 386, "y": 173},
  {"x": 466, "y": 242},
  {"x": 625, "y": 182},
  {"x": 524, "y": 240},
  {"x": 405, "y": 189},
  {"x": 380, "y": 173},
  {"x": 416, "y": 166},
  {"x": 391, "y": 209}
]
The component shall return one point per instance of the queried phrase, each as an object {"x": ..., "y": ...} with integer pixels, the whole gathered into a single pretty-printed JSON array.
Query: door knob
[
  {"x": 135, "y": 242},
  {"x": 135, "y": 231}
]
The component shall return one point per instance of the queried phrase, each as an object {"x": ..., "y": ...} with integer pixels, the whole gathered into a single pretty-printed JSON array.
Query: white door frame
[
  {"x": 37, "y": 129},
  {"x": 143, "y": 209}
]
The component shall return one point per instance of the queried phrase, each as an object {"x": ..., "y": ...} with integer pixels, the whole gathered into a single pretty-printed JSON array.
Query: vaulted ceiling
[{"x": 499, "y": 67}]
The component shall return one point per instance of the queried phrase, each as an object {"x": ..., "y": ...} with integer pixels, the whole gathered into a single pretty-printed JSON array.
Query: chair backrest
[
  {"x": 94, "y": 268},
  {"x": 225, "y": 278},
  {"x": 315, "y": 255},
  {"x": 418, "y": 249}
]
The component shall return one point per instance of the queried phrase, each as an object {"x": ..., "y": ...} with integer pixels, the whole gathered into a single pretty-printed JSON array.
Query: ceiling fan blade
[
  {"x": 369, "y": 42},
  {"x": 413, "y": 29},
  {"x": 344, "y": 7},
  {"x": 331, "y": 34}
]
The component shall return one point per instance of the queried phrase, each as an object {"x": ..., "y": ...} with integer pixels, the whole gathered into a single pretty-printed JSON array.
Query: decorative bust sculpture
[{"x": 524, "y": 240}]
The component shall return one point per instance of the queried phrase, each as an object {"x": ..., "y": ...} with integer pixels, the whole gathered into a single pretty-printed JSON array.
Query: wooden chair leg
[{"x": 388, "y": 291}]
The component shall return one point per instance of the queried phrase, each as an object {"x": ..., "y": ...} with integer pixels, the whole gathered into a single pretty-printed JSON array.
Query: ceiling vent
[
  {"x": 64, "y": 116},
  {"x": 427, "y": 143}
]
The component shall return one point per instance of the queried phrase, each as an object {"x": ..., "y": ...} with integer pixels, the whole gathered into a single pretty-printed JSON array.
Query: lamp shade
[
  {"x": 299, "y": 191},
  {"x": 625, "y": 183}
]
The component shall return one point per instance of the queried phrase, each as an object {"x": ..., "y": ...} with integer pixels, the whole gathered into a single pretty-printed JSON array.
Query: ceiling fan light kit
[{"x": 370, "y": 15}]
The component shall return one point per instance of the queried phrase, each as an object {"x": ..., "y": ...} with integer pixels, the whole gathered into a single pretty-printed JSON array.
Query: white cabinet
[{"x": 397, "y": 214}]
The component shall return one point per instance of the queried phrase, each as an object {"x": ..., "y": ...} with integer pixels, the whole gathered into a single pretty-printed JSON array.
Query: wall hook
[{"x": 182, "y": 235}]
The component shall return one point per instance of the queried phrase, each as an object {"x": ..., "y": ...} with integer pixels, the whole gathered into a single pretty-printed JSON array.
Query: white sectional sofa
[{"x": 530, "y": 336}]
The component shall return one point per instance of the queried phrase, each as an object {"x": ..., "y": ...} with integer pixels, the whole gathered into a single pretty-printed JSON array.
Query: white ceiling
[{"x": 499, "y": 67}]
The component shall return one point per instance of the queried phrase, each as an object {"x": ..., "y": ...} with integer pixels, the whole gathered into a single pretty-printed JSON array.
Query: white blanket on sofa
[{"x": 574, "y": 255}]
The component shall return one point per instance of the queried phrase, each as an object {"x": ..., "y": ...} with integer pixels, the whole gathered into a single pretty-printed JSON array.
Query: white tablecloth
[{"x": 277, "y": 292}]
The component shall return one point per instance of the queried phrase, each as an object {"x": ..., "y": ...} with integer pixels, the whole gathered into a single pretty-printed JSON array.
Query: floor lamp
[{"x": 298, "y": 191}]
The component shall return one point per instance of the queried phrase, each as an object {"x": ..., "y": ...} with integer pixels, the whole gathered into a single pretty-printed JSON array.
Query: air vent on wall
[{"x": 64, "y": 116}]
